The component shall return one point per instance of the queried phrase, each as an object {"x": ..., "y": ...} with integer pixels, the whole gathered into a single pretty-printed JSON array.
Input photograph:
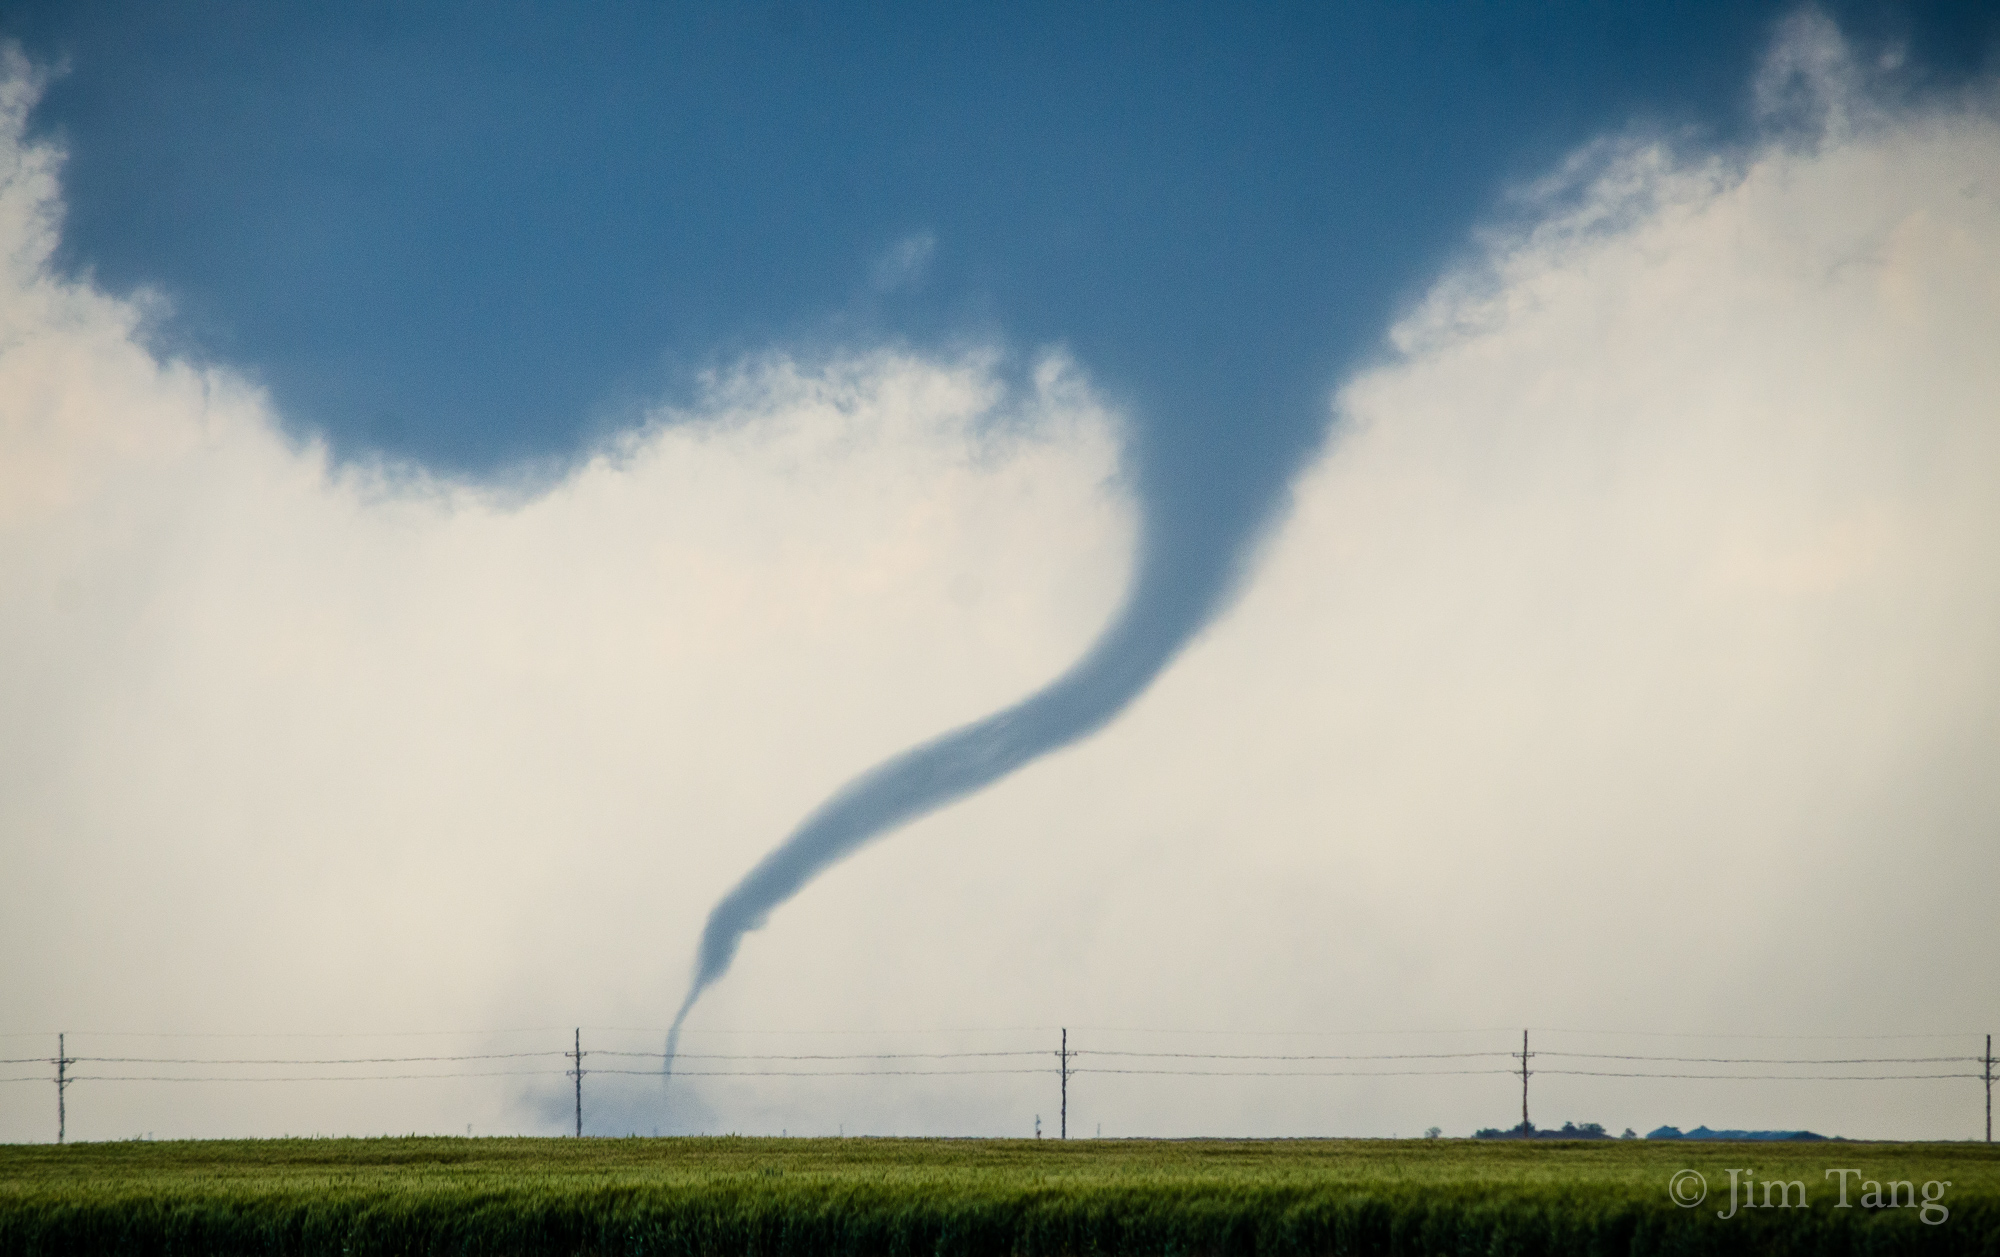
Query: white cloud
[
  {"x": 1629, "y": 662},
  {"x": 904, "y": 265},
  {"x": 294, "y": 746}
]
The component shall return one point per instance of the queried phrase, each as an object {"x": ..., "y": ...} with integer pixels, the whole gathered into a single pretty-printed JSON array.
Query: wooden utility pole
[
  {"x": 1064, "y": 1129},
  {"x": 1525, "y": 1128},
  {"x": 62, "y": 1085},
  {"x": 1989, "y": 1088},
  {"x": 577, "y": 1073}
]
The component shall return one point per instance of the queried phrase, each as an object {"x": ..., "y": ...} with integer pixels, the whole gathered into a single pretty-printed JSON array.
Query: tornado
[{"x": 1203, "y": 507}]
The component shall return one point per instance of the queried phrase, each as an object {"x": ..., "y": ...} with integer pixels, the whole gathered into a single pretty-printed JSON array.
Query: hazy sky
[{"x": 467, "y": 490}]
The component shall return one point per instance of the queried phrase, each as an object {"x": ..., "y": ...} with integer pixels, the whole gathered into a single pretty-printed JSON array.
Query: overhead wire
[
  {"x": 850, "y": 1056},
  {"x": 1084, "y": 1054},
  {"x": 342, "y": 1060},
  {"x": 1583, "y": 1073},
  {"x": 1761, "y": 1060},
  {"x": 1228, "y": 1056}
]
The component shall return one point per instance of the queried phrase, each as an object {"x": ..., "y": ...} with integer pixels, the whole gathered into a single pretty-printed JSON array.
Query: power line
[
  {"x": 1093, "y": 1052},
  {"x": 970, "y": 1073},
  {"x": 1306, "y": 1034},
  {"x": 1298, "y": 1073},
  {"x": 1693, "y": 1034},
  {"x": 830, "y": 1073},
  {"x": 497, "y": 1073},
  {"x": 1582, "y": 1073},
  {"x": 402, "y": 1034},
  {"x": 1515, "y": 1072},
  {"x": 853, "y": 1056},
  {"x": 891, "y": 1030},
  {"x": 342, "y": 1060},
  {"x": 1229, "y": 1056},
  {"x": 993, "y": 1063},
  {"x": 278, "y": 1034},
  {"x": 1768, "y": 1060}
]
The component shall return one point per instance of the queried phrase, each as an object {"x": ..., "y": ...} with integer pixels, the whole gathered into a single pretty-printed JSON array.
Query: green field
[{"x": 903, "y": 1197}]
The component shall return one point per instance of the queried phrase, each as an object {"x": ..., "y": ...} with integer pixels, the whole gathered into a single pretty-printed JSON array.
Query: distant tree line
[{"x": 1593, "y": 1130}]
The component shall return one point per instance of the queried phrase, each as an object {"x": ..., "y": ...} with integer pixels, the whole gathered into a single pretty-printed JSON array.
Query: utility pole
[
  {"x": 1525, "y": 1128},
  {"x": 577, "y": 1073},
  {"x": 1989, "y": 1088},
  {"x": 62, "y": 1085},
  {"x": 1064, "y": 1128}
]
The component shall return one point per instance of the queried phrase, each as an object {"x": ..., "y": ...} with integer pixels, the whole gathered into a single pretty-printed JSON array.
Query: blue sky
[{"x": 669, "y": 413}]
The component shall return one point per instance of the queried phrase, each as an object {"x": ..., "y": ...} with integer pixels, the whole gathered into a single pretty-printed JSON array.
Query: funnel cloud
[{"x": 1173, "y": 597}]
